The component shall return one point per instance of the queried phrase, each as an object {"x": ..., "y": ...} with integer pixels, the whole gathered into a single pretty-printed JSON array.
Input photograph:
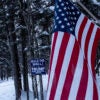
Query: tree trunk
[
  {"x": 16, "y": 68},
  {"x": 25, "y": 66},
  {"x": 17, "y": 71},
  {"x": 41, "y": 87},
  {"x": 34, "y": 86}
]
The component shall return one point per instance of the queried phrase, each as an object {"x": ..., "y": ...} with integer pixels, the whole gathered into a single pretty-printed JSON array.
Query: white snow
[
  {"x": 52, "y": 8},
  {"x": 96, "y": 2},
  {"x": 7, "y": 90}
]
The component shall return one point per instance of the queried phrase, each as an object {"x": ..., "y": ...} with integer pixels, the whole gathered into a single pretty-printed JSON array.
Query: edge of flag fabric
[{"x": 73, "y": 54}]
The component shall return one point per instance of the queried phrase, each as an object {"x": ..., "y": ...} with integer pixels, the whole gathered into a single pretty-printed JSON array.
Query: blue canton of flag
[{"x": 66, "y": 16}]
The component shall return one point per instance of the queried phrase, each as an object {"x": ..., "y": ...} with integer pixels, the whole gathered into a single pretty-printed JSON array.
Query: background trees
[
  {"x": 23, "y": 27},
  {"x": 25, "y": 33}
]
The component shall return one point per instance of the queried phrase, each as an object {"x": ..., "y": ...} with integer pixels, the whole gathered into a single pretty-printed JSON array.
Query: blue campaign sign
[{"x": 37, "y": 66}]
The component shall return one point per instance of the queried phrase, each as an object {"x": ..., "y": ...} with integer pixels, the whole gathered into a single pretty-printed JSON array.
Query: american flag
[{"x": 73, "y": 53}]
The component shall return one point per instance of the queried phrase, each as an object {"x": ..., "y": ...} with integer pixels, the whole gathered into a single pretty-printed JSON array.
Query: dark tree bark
[
  {"x": 25, "y": 65},
  {"x": 16, "y": 69}
]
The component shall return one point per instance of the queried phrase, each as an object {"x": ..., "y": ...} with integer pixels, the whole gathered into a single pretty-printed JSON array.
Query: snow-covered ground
[{"x": 7, "y": 90}]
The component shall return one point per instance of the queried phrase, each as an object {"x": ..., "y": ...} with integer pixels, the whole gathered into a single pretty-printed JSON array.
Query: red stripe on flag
[
  {"x": 59, "y": 65},
  {"x": 52, "y": 53},
  {"x": 82, "y": 29},
  {"x": 52, "y": 49},
  {"x": 88, "y": 39},
  {"x": 70, "y": 72},
  {"x": 93, "y": 58},
  {"x": 83, "y": 83},
  {"x": 95, "y": 92},
  {"x": 94, "y": 50}
]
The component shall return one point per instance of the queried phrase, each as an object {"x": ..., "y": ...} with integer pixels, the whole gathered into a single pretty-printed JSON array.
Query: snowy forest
[{"x": 25, "y": 34}]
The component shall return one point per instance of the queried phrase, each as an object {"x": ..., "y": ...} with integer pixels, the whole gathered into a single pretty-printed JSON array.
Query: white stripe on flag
[
  {"x": 50, "y": 57},
  {"x": 89, "y": 93},
  {"x": 54, "y": 61},
  {"x": 52, "y": 40},
  {"x": 77, "y": 77},
  {"x": 65, "y": 66},
  {"x": 79, "y": 22},
  {"x": 84, "y": 34},
  {"x": 91, "y": 44}
]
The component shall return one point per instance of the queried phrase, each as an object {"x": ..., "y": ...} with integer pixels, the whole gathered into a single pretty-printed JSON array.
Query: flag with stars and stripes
[{"x": 73, "y": 54}]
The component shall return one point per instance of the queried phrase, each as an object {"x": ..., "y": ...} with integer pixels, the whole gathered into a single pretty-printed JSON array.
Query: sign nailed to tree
[{"x": 38, "y": 66}]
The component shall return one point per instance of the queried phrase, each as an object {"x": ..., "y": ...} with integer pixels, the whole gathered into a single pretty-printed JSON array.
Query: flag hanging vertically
[{"x": 73, "y": 53}]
